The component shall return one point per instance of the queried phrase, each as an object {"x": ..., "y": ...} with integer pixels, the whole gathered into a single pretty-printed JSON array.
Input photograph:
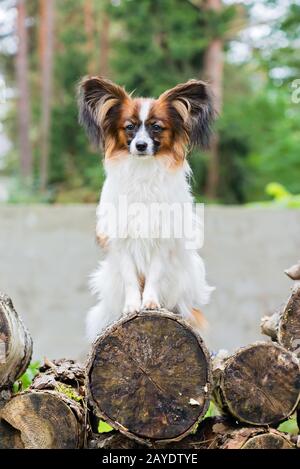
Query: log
[
  {"x": 15, "y": 345},
  {"x": 212, "y": 433},
  {"x": 207, "y": 431},
  {"x": 149, "y": 376},
  {"x": 9, "y": 437},
  {"x": 43, "y": 420},
  {"x": 258, "y": 384},
  {"x": 253, "y": 438},
  {"x": 284, "y": 327},
  {"x": 51, "y": 414}
]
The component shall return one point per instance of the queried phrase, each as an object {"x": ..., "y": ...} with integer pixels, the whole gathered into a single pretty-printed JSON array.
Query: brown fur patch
[
  {"x": 198, "y": 319},
  {"x": 141, "y": 283},
  {"x": 102, "y": 240}
]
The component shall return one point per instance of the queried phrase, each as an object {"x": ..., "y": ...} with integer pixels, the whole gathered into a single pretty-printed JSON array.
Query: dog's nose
[{"x": 141, "y": 146}]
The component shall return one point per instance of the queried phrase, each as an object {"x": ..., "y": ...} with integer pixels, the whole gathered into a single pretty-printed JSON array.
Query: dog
[{"x": 145, "y": 142}]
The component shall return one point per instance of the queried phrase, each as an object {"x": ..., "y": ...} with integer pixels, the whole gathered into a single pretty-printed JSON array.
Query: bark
[
  {"x": 149, "y": 376},
  {"x": 258, "y": 384},
  {"x": 15, "y": 345},
  {"x": 64, "y": 372},
  {"x": 284, "y": 327},
  {"x": 213, "y": 72},
  {"x": 45, "y": 420},
  {"x": 26, "y": 162},
  {"x": 46, "y": 62}
]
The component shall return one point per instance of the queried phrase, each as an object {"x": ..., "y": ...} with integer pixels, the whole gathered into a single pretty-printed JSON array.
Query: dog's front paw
[
  {"x": 133, "y": 306},
  {"x": 150, "y": 304}
]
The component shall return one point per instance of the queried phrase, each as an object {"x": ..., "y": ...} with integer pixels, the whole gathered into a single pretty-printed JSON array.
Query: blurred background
[{"x": 249, "y": 179}]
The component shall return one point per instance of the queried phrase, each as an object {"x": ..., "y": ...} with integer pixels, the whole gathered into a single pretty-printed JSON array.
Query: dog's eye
[
  {"x": 156, "y": 127},
  {"x": 129, "y": 127}
]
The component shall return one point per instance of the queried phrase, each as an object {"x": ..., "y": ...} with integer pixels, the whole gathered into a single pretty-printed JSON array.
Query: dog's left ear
[{"x": 193, "y": 102}]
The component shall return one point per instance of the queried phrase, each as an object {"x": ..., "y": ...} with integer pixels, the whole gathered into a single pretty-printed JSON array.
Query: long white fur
[{"x": 174, "y": 275}]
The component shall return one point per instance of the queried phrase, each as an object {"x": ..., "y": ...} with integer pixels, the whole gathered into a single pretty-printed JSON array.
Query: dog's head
[{"x": 165, "y": 127}]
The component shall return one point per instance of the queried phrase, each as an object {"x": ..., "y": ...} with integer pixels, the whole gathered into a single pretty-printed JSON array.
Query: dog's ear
[
  {"x": 193, "y": 102},
  {"x": 97, "y": 98}
]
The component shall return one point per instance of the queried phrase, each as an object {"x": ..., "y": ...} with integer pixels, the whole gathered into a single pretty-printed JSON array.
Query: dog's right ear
[{"x": 97, "y": 97}]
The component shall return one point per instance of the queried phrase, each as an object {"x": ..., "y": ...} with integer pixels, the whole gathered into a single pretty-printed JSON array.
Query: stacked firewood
[{"x": 150, "y": 377}]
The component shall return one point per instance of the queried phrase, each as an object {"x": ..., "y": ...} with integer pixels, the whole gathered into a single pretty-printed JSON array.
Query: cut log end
[
  {"x": 9, "y": 437},
  {"x": 253, "y": 438},
  {"x": 268, "y": 441},
  {"x": 149, "y": 377},
  {"x": 259, "y": 384},
  {"x": 15, "y": 344},
  {"x": 43, "y": 419}
]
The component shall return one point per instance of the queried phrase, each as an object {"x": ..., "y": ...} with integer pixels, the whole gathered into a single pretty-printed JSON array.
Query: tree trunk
[
  {"x": 15, "y": 345},
  {"x": 149, "y": 376},
  {"x": 258, "y": 384},
  {"x": 26, "y": 162},
  {"x": 104, "y": 45},
  {"x": 213, "y": 72},
  {"x": 46, "y": 61},
  {"x": 45, "y": 420},
  {"x": 89, "y": 26}
]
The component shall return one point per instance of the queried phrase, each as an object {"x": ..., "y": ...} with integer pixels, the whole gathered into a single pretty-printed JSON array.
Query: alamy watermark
[
  {"x": 296, "y": 91},
  {"x": 136, "y": 220},
  {"x": 3, "y": 91}
]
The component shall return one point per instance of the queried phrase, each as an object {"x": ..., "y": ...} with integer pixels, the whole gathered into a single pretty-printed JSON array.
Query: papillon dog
[{"x": 145, "y": 143}]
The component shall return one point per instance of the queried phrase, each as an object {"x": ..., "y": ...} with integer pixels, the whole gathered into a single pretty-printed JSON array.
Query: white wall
[{"x": 47, "y": 253}]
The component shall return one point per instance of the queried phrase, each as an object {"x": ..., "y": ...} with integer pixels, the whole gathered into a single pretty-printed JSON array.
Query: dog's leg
[
  {"x": 131, "y": 284},
  {"x": 150, "y": 294}
]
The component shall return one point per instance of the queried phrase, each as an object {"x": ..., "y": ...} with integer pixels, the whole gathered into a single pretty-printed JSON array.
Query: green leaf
[
  {"x": 289, "y": 426},
  {"x": 26, "y": 379},
  {"x": 212, "y": 411},
  {"x": 103, "y": 427}
]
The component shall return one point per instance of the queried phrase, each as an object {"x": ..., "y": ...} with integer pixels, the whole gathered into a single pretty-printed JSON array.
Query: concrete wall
[{"x": 47, "y": 253}]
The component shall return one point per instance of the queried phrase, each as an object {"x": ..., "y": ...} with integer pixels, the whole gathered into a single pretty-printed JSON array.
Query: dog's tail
[{"x": 197, "y": 319}]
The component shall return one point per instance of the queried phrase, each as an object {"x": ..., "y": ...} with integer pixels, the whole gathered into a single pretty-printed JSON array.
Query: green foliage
[
  {"x": 26, "y": 379},
  {"x": 212, "y": 410},
  {"x": 289, "y": 426},
  {"x": 69, "y": 392},
  {"x": 281, "y": 197},
  {"x": 103, "y": 427},
  {"x": 158, "y": 44}
]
